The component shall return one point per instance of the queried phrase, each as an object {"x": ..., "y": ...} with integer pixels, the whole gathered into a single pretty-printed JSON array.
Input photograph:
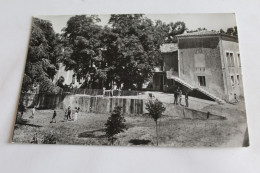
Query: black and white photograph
[{"x": 155, "y": 80}]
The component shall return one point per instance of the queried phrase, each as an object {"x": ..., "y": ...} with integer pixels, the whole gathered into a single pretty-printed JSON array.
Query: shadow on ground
[
  {"x": 27, "y": 124},
  {"x": 99, "y": 133},
  {"x": 139, "y": 141}
]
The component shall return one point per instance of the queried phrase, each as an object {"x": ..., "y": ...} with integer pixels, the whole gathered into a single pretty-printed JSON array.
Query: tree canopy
[
  {"x": 230, "y": 31},
  {"x": 82, "y": 46},
  {"x": 124, "y": 52},
  {"x": 42, "y": 58}
]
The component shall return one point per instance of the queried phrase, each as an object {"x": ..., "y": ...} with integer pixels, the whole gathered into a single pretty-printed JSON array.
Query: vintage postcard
[{"x": 169, "y": 80}]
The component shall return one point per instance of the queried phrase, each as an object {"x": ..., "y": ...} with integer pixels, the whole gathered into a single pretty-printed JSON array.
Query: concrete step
[{"x": 217, "y": 99}]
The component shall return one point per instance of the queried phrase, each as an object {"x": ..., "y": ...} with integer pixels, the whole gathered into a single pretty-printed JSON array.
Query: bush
[
  {"x": 46, "y": 86},
  {"x": 49, "y": 139},
  {"x": 115, "y": 124}
]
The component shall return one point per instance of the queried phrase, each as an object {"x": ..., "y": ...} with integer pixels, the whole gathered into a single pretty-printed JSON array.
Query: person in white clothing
[
  {"x": 33, "y": 112},
  {"x": 76, "y": 115}
]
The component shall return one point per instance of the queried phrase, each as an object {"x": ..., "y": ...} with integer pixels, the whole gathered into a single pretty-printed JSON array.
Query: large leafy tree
[
  {"x": 133, "y": 44},
  {"x": 131, "y": 51},
  {"x": 82, "y": 46},
  {"x": 43, "y": 56},
  {"x": 125, "y": 52}
]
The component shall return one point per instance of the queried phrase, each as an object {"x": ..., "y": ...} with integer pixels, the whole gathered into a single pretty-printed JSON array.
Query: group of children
[
  {"x": 69, "y": 115},
  {"x": 178, "y": 97}
]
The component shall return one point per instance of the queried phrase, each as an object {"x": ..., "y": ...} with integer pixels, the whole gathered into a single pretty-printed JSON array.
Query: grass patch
[{"x": 90, "y": 130}]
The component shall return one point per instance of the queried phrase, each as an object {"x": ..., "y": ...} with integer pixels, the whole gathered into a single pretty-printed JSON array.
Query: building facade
[{"x": 205, "y": 61}]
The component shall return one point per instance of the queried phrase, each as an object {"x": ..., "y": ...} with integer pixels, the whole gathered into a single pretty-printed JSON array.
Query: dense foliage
[
  {"x": 232, "y": 31},
  {"x": 124, "y": 52},
  {"x": 82, "y": 52},
  {"x": 49, "y": 139},
  {"x": 115, "y": 124},
  {"x": 43, "y": 56}
]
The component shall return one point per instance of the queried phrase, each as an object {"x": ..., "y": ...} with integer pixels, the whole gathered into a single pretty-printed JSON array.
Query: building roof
[
  {"x": 208, "y": 33},
  {"x": 199, "y": 33},
  {"x": 169, "y": 47}
]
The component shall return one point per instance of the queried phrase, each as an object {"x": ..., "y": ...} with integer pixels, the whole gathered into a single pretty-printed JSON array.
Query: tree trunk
[{"x": 156, "y": 133}]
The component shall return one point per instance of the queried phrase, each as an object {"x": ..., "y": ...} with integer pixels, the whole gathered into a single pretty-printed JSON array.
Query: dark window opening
[
  {"x": 238, "y": 80},
  {"x": 230, "y": 59},
  {"x": 202, "y": 80},
  {"x": 232, "y": 80},
  {"x": 238, "y": 60}
]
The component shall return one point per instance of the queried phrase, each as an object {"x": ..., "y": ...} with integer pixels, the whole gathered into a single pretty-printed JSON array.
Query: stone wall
[{"x": 105, "y": 105}]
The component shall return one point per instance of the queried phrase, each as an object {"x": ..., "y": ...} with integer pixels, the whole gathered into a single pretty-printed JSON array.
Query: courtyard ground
[{"x": 173, "y": 131}]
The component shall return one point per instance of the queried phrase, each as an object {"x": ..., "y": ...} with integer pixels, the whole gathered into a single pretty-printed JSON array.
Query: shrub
[
  {"x": 49, "y": 139},
  {"x": 115, "y": 124},
  {"x": 155, "y": 109}
]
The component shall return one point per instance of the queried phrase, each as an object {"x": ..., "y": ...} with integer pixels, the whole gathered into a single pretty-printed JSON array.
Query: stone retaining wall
[{"x": 104, "y": 105}]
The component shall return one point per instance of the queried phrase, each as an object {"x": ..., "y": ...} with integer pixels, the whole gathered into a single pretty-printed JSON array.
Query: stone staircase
[
  {"x": 217, "y": 99},
  {"x": 212, "y": 96}
]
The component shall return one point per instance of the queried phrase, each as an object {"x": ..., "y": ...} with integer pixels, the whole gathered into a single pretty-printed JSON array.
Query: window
[
  {"x": 202, "y": 80},
  {"x": 238, "y": 60},
  {"x": 232, "y": 80},
  {"x": 227, "y": 57},
  {"x": 230, "y": 59},
  {"x": 182, "y": 63},
  {"x": 232, "y": 62},
  {"x": 238, "y": 80}
]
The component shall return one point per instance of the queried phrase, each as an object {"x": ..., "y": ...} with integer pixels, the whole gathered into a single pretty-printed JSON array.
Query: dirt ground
[{"x": 175, "y": 132}]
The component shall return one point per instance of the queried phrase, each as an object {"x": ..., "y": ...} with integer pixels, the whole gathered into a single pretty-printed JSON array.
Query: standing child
[
  {"x": 76, "y": 115},
  {"x": 33, "y": 112},
  {"x": 69, "y": 113},
  {"x": 65, "y": 114},
  {"x": 187, "y": 99},
  {"x": 180, "y": 97},
  {"x": 175, "y": 96},
  {"x": 54, "y": 117}
]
